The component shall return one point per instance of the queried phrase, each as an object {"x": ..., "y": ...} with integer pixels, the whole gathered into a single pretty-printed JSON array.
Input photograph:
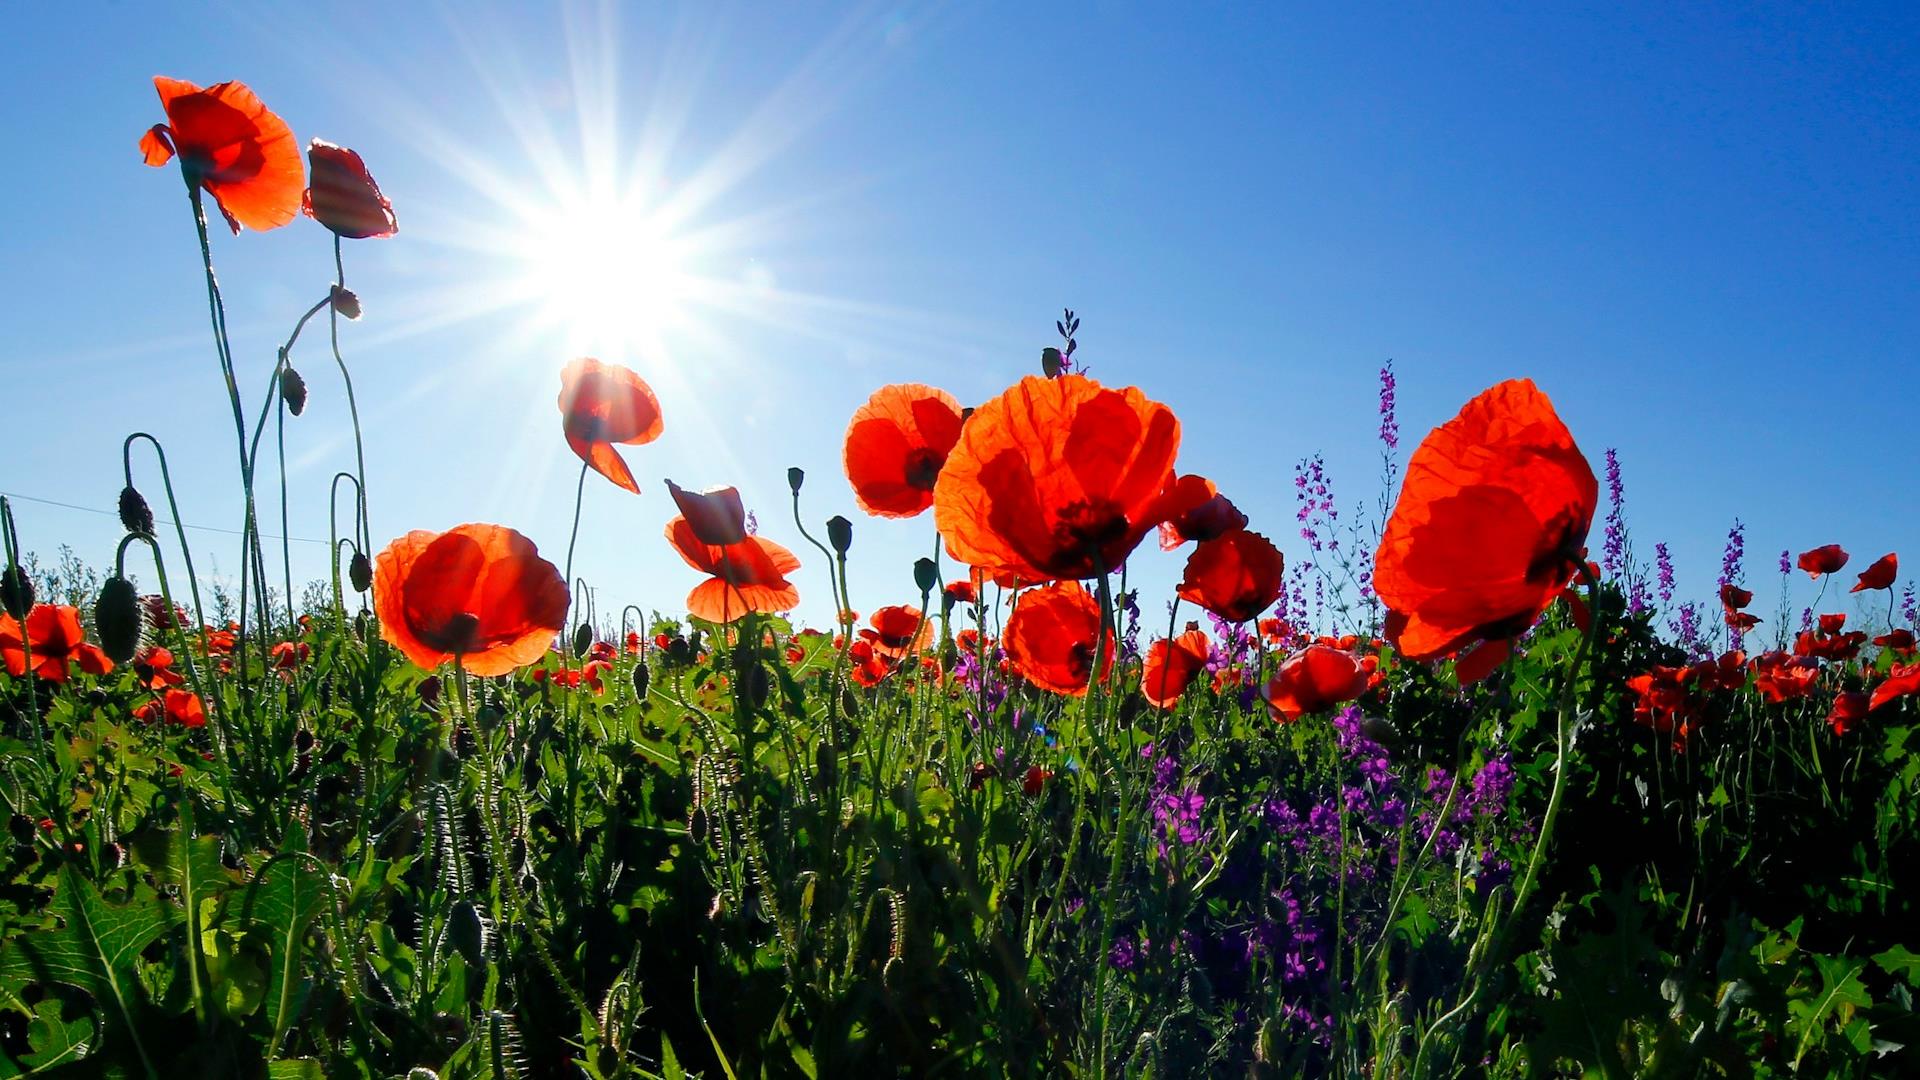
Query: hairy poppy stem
[
  {"x": 579, "y": 497},
  {"x": 11, "y": 539},
  {"x": 353, "y": 409}
]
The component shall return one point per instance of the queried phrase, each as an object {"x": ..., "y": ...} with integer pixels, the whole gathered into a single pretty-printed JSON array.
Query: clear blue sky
[{"x": 1696, "y": 230}]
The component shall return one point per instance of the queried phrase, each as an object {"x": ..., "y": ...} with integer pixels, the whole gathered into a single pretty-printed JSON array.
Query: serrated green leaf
[
  {"x": 282, "y": 903},
  {"x": 54, "y": 1041}
]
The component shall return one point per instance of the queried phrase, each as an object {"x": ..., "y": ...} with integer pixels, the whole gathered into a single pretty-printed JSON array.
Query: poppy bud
[
  {"x": 642, "y": 678},
  {"x": 926, "y": 575},
  {"x": 345, "y": 301},
  {"x": 135, "y": 514},
  {"x": 488, "y": 716},
  {"x": 795, "y": 477},
  {"x": 468, "y": 929},
  {"x": 1051, "y": 362},
  {"x": 429, "y": 691},
  {"x": 755, "y": 684},
  {"x": 360, "y": 572},
  {"x": 582, "y": 639},
  {"x": 16, "y": 592},
  {"x": 839, "y": 534},
  {"x": 116, "y": 618},
  {"x": 293, "y": 390}
]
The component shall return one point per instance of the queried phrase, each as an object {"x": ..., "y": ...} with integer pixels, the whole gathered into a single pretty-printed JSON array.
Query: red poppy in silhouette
[
  {"x": 232, "y": 146},
  {"x": 1902, "y": 681},
  {"x": 55, "y": 639},
  {"x": 716, "y": 515},
  {"x": 1728, "y": 672},
  {"x": 481, "y": 593},
  {"x": 1849, "y": 708},
  {"x": 1733, "y": 597},
  {"x": 1490, "y": 525},
  {"x": 1036, "y": 780},
  {"x": 1050, "y": 637},
  {"x": 1236, "y": 576},
  {"x": 866, "y": 665},
  {"x": 1826, "y": 559},
  {"x": 343, "y": 196},
  {"x": 1900, "y": 640},
  {"x": 1880, "y": 575},
  {"x": 1318, "y": 677},
  {"x": 961, "y": 593},
  {"x": 747, "y": 576},
  {"x": 603, "y": 404},
  {"x": 898, "y": 630},
  {"x": 1171, "y": 665},
  {"x": 896, "y": 445},
  {"x": 1197, "y": 511},
  {"x": 1056, "y": 478}
]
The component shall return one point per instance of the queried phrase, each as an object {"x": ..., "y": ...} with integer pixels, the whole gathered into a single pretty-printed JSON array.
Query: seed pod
[
  {"x": 293, "y": 390},
  {"x": 755, "y": 683},
  {"x": 135, "y": 514},
  {"x": 1051, "y": 362},
  {"x": 926, "y": 575},
  {"x": 16, "y": 592},
  {"x": 360, "y": 572},
  {"x": 839, "y": 534},
  {"x": 795, "y": 477},
  {"x": 345, "y": 302},
  {"x": 116, "y": 619},
  {"x": 582, "y": 639},
  {"x": 642, "y": 679}
]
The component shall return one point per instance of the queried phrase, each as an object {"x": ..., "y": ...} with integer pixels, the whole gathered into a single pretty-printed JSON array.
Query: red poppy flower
[
  {"x": 184, "y": 708},
  {"x": 1733, "y": 597},
  {"x": 1236, "y": 576},
  {"x": 1827, "y": 559},
  {"x": 481, "y": 593},
  {"x": 231, "y": 145},
  {"x": 1491, "y": 523},
  {"x": 896, "y": 445},
  {"x": 716, "y": 515},
  {"x": 603, "y": 404},
  {"x": 55, "y": 637},
  {"x": 342, "y": 195},
  {"x": 748, "y": 576},
  {"x": 1880, "y": 575},
  {"x": 1050, "y": 637},
  {"x": 898, "y": 630},
  {"x": 1316, "y": 678},
  {"x": 634, "y": 643},
  {"x": 866, "y": 665},
  {"x": 1849, "y": 708},
  {"x": 290, "y": 654},
  {"x": 1902, "y": 681},
  {"x": 1729, "y": 672},
  {"x": 1171, "y": 665},
  {"x": 1780, "y": 677},
  {"x": 1197, "y": 511},
  {"x": 1056, "y": 478},
  {"x": 1900, "y": 640},
  {"x": 1036, "y": 780},
  {"x": 1663, "y": 703},
  {"x": 961, "y": 592},
  {"x": 154, "y": 668}
]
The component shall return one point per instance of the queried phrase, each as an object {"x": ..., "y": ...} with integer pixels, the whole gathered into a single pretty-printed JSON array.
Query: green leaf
[
  {"x": 93, "y": 949},
  {"x": 283, "y": 902},
  {"x": 1900, "y": 961},
  {"x": 54, "y": 1041},
  {"x": 296, "y": 1069}
]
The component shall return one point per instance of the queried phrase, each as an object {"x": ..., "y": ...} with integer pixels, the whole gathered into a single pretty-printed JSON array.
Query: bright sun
[{"x": 606, "y": 273}]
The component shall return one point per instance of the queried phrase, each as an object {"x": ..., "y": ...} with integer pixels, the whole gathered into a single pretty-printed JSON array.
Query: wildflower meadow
[{"x": 1452, "y": 780}]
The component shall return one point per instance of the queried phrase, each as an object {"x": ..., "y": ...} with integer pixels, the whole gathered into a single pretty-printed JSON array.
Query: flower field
[{"x": 1463, "y": 786}]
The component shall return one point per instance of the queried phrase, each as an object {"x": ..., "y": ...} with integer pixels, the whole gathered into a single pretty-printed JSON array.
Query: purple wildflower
[
  {"x": 1664, "y": 562},
  {"x": 1614, "y": 549},
  {"x": 1389, "y": 422}
]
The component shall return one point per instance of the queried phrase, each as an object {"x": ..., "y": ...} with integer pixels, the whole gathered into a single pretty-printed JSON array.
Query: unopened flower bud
[
  {"x": 429, "y": 691},
  {"x": 116, "y": 619},
  {"x": 293, "y": 389},
  {"x": 345, "y": 302},
  {"x": 135, "y": 514},
  {"x": 16, "y": 592},
  {"x": 839, "y": 534},
  {"x": 795, "y": 477},
  {"x": 926, "y": 575},
  {"x": 642, "y": 680},
  {"x": 360, "y": 572},
  {"x": 1051, "y": 362},
  {"x": 582, "y": 639}
]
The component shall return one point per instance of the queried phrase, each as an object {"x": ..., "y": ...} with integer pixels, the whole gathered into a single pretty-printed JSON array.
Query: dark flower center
[
  {"x": 1090, "y": 525},
  {"x": 923, "y": 468},
  {"x": 458, "y": 635}
]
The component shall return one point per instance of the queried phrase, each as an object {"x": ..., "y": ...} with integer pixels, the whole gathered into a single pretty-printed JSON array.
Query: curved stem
[
  {"x": 573, "y": 537},
  {"x": 173, "y": 508},
  {"x": 353, "y": 408}
]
